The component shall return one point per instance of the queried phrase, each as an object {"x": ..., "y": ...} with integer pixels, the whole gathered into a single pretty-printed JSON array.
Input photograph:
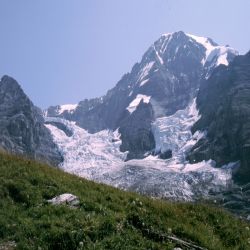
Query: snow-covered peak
[
  {"x": 167, "y": 34},
  {"x": 213, "y": 50}
]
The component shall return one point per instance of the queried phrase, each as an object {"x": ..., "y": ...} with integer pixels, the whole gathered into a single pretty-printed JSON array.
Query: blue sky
[{"x": 62, "y": 51}]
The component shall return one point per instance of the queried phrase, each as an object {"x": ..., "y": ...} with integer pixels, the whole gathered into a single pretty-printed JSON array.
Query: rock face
[
  {"x": 168, "y": 77},
  {"x": 136, "y": 135},
  {"x": 22, "y": 129},
  {"x": 224, "y": 104}
]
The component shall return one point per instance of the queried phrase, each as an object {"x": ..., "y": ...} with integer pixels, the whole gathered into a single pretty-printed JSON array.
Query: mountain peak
[
  {"x": 7, "y": 80},
  {"x": 199, "y": 39},
  {"x": 21, "y": 125},
  {"x": 11, "y": 89},
  {"x": 176, "y": 33},
  {"x": 214, "y": 53}
]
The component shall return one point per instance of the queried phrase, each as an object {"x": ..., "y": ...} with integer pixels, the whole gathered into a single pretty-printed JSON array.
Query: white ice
[
  {"x": 97, "y": 157},
  {"x": 145, "y": 71},
  {"x": 134, "y": 104},
  {"x": 174, "y": 132},
  {"x": 143, "y": 82},
  {"x": 67, "y": 107},
  {"x": 211, "y": 51}
]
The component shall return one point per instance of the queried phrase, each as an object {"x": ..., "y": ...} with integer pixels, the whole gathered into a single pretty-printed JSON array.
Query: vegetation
[{"x": 106, "y": 218}]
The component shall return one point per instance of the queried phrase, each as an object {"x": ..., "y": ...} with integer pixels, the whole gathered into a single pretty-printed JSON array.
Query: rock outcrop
[
  {"x": 224, "y": 104},
  {"x": 22, "y": 129}
]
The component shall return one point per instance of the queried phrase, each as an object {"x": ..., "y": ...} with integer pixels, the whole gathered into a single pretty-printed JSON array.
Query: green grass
[{"x": 107, "y": 218}]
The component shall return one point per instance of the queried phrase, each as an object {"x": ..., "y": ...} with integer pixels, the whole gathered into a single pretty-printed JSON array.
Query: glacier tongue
[
  {"x": 174, "y": 132},
  {"x": 86, "y": 154},
  {"x": 97, "y": 157}
]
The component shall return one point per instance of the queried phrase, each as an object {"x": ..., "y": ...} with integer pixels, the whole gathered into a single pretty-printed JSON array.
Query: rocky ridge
[{"x": 22, "y": 129}]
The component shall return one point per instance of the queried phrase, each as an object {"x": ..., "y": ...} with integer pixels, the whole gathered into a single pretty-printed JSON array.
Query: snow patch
[
  {"x": 167, "y": 38},
  {"x": 143, "y": 82},
  {"x": 134, "y": 104},
  {"x": 158, "y": 56},
  {"x": 145, "y": 71},
  {"x": 67, "y": 107}
]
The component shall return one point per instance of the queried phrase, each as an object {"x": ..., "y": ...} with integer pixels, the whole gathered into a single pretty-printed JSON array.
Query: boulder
[{"x": 65, "y": 199}]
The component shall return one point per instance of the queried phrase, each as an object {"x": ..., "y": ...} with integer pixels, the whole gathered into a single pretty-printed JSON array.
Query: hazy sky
[{"x": 62, "y": 51}]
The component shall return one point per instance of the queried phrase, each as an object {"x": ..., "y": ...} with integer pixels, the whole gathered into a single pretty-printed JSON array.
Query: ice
[
  {"x": 213, "y": 50},
  {"x": 145, "y": 71},
  {"x": 174, "y": 132},
  {"x": 67, "y": 107},
  {"x": 133, "y": 105},
  {"x": 86, "y": 154},
  {"x": 168, "y": 179},
  {"x": 158, "y": 56},
  {"x": 167, "y": 38},
  {"x": 143, "y": 82},
  {"x": 97, "y": 157}
]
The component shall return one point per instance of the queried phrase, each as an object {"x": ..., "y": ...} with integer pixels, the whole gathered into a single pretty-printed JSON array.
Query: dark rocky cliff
[
  {"x": 224, "y": 104},
  {"x": 22, "y": 129}
]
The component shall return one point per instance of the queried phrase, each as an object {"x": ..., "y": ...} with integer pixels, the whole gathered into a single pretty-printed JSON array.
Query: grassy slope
[{"x": 107, "y": 218}]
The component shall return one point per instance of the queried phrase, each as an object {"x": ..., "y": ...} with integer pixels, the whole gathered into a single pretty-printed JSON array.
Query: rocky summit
[{"x": 22, "y": 129}]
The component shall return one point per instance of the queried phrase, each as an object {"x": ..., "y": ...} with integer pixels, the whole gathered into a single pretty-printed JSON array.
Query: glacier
[{"x": 97, "y": 157}]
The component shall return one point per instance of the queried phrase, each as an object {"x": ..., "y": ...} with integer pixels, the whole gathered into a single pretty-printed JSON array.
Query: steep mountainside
[
  {"x": 224, "y": 104},
  {"x": 165, "y": 81},
  {"x": 147, "y": 119},
  {"x": 22, "y": 129}
]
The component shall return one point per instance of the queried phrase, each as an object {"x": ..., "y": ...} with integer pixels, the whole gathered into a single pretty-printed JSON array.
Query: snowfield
[{"x": 97, "y": 157}]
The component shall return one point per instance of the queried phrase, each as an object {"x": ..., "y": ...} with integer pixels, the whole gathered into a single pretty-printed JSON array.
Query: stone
[{"x": 66, "y": 199}]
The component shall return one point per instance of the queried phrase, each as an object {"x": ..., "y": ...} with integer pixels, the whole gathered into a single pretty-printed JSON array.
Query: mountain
[
  {"x": 175, "y": 127},
  {"x": 165, "y": 81},
  {"x": 105, "y": 217},
  {"x": 22, "y": 129},
  {"x": 141, "y": 136},
  {"x": 224, "y": 104}
]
